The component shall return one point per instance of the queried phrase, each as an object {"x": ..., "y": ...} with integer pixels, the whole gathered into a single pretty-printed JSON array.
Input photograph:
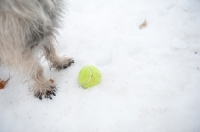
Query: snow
[{"x": 150, "y": 76}]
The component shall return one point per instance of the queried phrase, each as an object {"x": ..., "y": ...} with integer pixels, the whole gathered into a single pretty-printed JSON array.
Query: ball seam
[{"x": 89, "y": 78}]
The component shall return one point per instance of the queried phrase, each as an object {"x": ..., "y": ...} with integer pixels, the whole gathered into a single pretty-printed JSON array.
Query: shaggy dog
[{"x": 28, "y": 27}]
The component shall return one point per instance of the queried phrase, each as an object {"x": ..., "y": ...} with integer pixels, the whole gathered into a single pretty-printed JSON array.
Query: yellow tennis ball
[{"x": 89, "y": 76}]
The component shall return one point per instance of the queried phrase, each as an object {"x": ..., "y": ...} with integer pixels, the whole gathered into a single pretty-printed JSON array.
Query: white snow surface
[{"x": 150, "y": 76}]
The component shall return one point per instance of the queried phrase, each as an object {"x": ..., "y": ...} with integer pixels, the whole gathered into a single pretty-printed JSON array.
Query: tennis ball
[{"x": 89, "y": 76}]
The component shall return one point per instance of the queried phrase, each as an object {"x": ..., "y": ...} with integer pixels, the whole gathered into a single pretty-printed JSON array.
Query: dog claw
[
  {"x": 47, "y": 94},
  {"x": 63, "y": 65}
]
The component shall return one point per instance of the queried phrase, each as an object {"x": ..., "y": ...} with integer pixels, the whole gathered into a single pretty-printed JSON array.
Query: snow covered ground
[{"x": 150, "y": 76}]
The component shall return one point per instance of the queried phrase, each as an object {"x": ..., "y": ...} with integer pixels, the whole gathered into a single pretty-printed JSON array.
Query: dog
[{"x": 27, "y": 29}]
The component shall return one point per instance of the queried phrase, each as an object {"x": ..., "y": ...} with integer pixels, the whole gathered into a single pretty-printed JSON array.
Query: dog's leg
[
  {"x": 40, "y": 85},
  {"x": 56, "y": 62}
]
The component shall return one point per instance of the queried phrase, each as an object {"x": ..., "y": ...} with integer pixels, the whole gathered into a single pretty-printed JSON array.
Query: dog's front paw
[
  {"x": 46, "y": 91},
  {"x": 62, "y": 63}
]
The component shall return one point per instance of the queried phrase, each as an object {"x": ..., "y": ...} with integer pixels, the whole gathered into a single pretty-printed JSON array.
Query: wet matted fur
[{"x": 26, "y": 28}]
